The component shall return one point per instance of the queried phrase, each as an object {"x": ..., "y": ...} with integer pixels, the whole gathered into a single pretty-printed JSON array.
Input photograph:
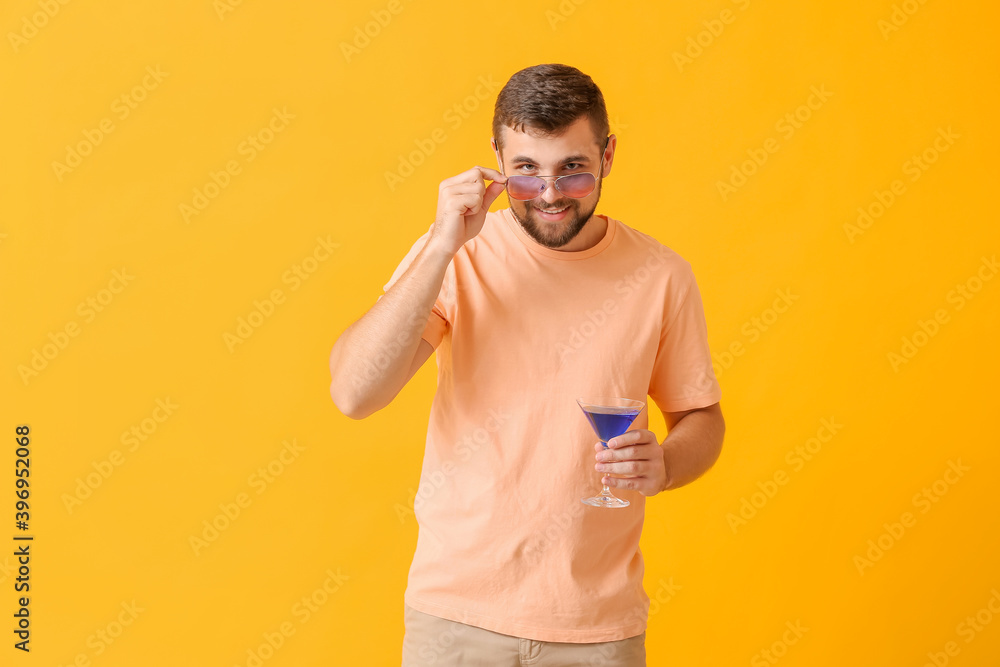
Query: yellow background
[{"x": 336, "y": 506}]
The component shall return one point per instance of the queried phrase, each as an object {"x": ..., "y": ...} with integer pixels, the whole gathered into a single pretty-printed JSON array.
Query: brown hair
[{"x": 549, "y": 98}]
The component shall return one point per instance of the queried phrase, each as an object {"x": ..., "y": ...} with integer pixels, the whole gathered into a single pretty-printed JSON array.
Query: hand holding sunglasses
[{"x": 463, "y": 202}]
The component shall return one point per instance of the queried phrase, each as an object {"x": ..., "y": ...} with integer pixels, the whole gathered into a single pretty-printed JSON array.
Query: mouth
[{"x": 556, "y": 214}]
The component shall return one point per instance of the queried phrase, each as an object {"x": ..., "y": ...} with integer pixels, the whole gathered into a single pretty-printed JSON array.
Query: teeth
[{"x": 559, "y": 211}]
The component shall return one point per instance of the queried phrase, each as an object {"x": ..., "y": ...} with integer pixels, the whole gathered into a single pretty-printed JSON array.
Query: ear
[{"x": 493, "y": 143}]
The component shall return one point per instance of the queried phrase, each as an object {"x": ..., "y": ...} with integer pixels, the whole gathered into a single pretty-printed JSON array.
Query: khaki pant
[{"x": 430, "y": 641}]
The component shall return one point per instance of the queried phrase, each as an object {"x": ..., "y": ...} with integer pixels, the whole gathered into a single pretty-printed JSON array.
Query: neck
[{"x": 589, "y": 236}]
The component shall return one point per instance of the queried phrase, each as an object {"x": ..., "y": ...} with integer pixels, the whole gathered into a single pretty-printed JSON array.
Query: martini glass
[{"x": 610, "y": 417}]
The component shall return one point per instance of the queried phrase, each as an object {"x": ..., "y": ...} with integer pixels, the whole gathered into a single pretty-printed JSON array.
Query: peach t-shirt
[{"x": 520, "y": 332}]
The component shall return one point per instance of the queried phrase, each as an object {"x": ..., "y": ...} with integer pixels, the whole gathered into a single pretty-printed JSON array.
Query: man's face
[{"x": 575, "y": 150}]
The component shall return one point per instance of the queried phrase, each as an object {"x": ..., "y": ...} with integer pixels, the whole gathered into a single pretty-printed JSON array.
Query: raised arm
[{"x": 378, "y": 354}]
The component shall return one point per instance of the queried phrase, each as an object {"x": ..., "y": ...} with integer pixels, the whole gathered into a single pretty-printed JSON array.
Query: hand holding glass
[{"x": 610, "y": 417}]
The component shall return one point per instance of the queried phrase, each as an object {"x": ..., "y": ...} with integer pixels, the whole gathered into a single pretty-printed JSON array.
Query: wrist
[{"x": 438, "y": 250}]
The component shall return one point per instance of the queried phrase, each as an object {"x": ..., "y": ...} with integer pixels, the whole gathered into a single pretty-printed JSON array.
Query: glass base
[{"x": 604, "y": 499}]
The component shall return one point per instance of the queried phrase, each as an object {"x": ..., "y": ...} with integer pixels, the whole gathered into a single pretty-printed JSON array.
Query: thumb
[{"x": 493, "y": 191}]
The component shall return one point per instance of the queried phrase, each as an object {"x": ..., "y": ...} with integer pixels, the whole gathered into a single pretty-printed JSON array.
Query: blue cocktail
[{"x": 609, "y": 417}]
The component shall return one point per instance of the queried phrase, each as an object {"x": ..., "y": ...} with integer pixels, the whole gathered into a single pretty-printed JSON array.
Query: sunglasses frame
[{"x": 557, "y": 178}]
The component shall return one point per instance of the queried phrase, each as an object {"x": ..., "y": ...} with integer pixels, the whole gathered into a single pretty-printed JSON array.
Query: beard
[{"x": 559, "y": 233}]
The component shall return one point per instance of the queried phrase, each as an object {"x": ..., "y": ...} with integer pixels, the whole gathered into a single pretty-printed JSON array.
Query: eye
[{"x": 571, "y": 165}]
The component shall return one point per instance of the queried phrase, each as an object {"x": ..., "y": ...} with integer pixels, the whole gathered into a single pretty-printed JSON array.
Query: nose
[{"x": 550, "y": 194}]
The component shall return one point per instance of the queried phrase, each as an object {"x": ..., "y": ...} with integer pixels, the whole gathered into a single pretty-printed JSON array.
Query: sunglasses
[{"x": 577, "y": 185}]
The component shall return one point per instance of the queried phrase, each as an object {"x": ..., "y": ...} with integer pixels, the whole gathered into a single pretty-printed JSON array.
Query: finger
[
  {"x": 622, "y": 482},
  {"x": 635, "y": 453},
  {"x": 465, "y": 187},
  {"x": 476, "y": 186},
  {"x": 627, "y": 468},
  {"x": 491, "y": 174},
  {"x": 464, "y": 205},
  {"x": 604, "y": 453},
  {"x": 624, "y": 439},
  {"x": 492, "y": 192},
  {"x": 472, "y": 176},
  {"x": 630, "y": 453}
]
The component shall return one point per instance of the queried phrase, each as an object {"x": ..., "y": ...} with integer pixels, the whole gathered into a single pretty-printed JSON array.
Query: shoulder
[{"x": 651, "y": 252}]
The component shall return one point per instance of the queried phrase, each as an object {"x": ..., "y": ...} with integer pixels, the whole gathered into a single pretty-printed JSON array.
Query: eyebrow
[{"x": 571, "y": 158}]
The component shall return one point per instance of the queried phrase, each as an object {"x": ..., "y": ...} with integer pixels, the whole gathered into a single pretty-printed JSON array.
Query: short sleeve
[
  {"x": 682, "y": 377},
  {"x": 437, "y": 321}
]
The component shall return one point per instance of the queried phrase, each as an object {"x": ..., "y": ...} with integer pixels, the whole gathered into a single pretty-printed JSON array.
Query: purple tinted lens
[
  {"x": 576, "y": 186},
  {"x": 525, "y": 187}
]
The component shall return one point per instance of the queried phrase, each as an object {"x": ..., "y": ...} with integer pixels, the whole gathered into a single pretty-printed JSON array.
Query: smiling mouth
[{"x": 558, "y": 210}]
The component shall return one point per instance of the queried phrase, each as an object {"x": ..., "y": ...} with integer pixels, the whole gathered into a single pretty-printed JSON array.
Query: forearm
[
  {"x": 692, "y": 446},
  {"x": 370, "y": 361}
]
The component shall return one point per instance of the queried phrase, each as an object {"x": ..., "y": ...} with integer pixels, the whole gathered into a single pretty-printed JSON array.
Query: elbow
[
  {"x": 720, "y": 434},
  {"x": 348, "y": 405},
  {"x": 345, "y": 401}
]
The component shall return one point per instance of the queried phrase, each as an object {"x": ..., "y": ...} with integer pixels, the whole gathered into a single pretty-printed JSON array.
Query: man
[{"x": 529, "y": 310}]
